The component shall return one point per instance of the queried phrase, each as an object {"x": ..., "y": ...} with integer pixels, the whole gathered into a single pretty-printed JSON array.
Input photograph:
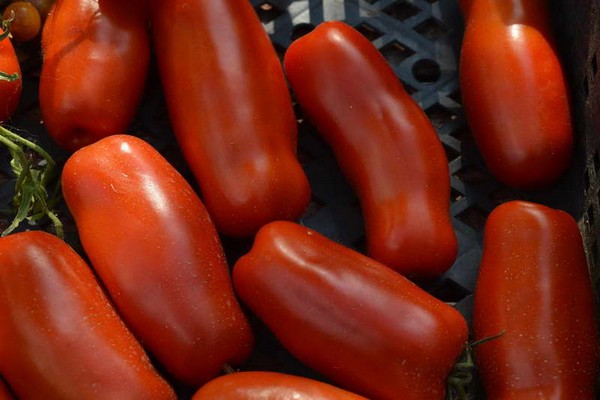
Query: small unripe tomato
[{"x": 26, "y": 20}]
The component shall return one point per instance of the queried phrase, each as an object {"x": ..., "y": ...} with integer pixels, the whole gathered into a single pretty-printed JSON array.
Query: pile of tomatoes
[{"x": 150, "y": 307}]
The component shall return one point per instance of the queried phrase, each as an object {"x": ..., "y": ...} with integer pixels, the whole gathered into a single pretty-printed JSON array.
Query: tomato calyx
[
  {"x": 461, "y": 376},
  {"x": 33, "y": 168},
  {"x": 5, "y": 25}
]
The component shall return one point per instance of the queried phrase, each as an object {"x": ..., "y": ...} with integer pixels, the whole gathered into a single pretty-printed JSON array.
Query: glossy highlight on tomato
[
  {"x": 231, "y": 111},
  {"x": 155, "y": 248},
  {"x": 350, "y": 318},
  {"x": 514, "y": 91},
  {"x": 534, "y": 286},
  {"x": 262, "y": 385},
  {"x": 60, "y": 337},
  {"x": 384, "y": 144},
  {"x": 95, "y": 62}
]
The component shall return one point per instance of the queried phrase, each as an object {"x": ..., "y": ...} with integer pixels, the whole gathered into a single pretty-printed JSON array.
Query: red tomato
[
  {"x": 231, "y": 111},
  {"x": 60, "y": 337},
  {"x": 514, "y": 91},
  {"x": 384, "y": 144},
  {"x": 96, "y": 56},
  {"x": 357, "y": 322},
  {"x": 151, "y": 241},
  {"x": 270, "y": 386},
  {"x": 10, "y": 89},
  {"x": 534, "y": 286},
  {"x": 4, "y": 392}
]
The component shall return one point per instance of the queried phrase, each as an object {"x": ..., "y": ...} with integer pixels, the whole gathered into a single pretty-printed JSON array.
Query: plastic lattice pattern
[{"x": 421, "y": 41}]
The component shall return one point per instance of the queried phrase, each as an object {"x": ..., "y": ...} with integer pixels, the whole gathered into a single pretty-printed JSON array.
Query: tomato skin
[
  {"x": 231, "y": 111},
  {"x": 352, "y": 319},
  {"x": 514, "y": 92},
  {"x": 10, "y": 92},
  {"x": 534, "y": 285},
  {"x": 384, "y": 143},
  {"x": 95, "y": 62},
  {"x": 26, "y": 22},
  {"x": 261, "y": 385},
  {"x": 60, "y": 338},
  {"x": 4, "y": 392},
  {"x": 165, "y": 269}
]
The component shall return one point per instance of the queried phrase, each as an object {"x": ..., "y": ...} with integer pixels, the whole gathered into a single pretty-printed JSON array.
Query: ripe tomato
[
  {"x": 270, "y": 386},
  {"x": 11, "y": 83},
  {"x": 4, "y": 392},
  {"x": 534, "y": 286},
  {"x": 354, "y": 320},
  {"x": 514, "y": 92},
  {"x": 384, "y": 144},
  {"x": 231, "y": 111},
  {"x": 60, "y": 337},
  {"x": 96, "y": 56},
  {"x": 153, "y": 245}
]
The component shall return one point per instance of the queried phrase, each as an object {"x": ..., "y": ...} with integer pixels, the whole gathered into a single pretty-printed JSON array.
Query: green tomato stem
[{"x": 31, "y": 199}]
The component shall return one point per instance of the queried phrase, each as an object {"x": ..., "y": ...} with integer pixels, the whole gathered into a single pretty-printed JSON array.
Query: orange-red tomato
[
  {"x": 60, "y": 337},
  {"x": 384, "y": 144},
  {"x": 4, "y": 392},
  {"x": 10, "y": 90},
  {"x": 95, "y": 61},
  {"x": 354, "y": 320},
  {"x": 535, "y": 287},
  {"x": 231, "y": 111},
  {"x": 514, "y": 91},
  {"x": 270, "y": 386},
  {"x": 153, "y": 245}
]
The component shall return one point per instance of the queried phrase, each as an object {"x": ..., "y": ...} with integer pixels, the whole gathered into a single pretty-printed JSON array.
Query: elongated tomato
[
  {"x": 514, "y": 91},
  {"x": 270, "y": 386},
  {"x": 95, "y": 61},
  {"x": 384, "y": 144},
  {"x": 152, "y": 243},
  {"x": 231, "y": 111},
  {"x": 11, "y": 85},
  {"x": 4, "y": 392},
  {"x": 60, "y": 337},
  {"x": 356, "y": 321},
  {"x": 535, "y": 287}
]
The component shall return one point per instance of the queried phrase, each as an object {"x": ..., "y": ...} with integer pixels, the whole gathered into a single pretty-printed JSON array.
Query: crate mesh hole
[
  {"x": 396, "y": 52},
  {"x": 267, "y": 12},
  {"x": 432, "y": 29},
  {"x": 455, "y": 195},
  {"x": 301, "y": 30},
  {"x": 474, "y": 217},
  {"x": 369, "y": 32},
  {"x": 500, "y": 196},
  {"x": 426, "y": 71},
  {"x": 313, "y": 207},
  {"x": 594, "y": 64},
  {"x": 455, "y": 96},
  {"x": 401, "y": 10},
  {"x": 371, "y": 1},
  {"x": 451, "y": 153},
  {"x": 472, "y": 175},
  {"x": 409, "y": 89},
  {"x": 439, "y": 115},
  {"x": 591, "y": 216}
]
